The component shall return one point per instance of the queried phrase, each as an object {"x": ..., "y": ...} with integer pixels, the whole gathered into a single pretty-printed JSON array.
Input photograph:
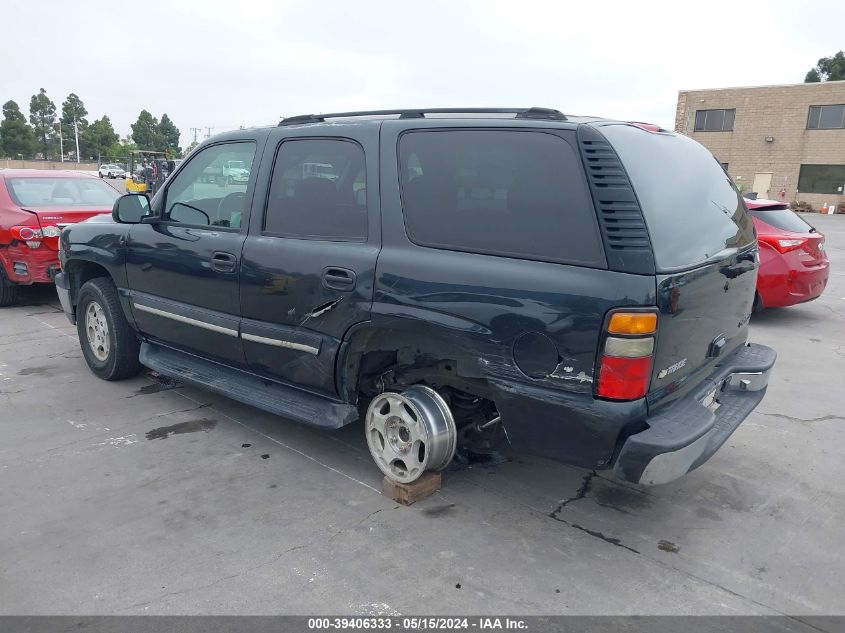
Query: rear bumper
[
  {"x": 63, "y": 290},
  {"x": 26, "y": 266},
  {"x": 781, "y": 285},
  {"x": 688, "y": 432}
]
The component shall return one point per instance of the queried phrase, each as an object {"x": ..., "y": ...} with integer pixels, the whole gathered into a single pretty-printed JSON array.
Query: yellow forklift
[{"x": 148, "y": 170}]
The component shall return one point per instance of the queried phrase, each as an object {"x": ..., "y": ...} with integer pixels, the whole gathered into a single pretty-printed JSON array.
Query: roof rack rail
[{"x": 546, "y": 114}]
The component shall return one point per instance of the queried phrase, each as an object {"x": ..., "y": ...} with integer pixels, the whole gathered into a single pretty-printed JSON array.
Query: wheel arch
[
  {"x": 412, "y": 350},
  {"x": 80, "y": 271}
]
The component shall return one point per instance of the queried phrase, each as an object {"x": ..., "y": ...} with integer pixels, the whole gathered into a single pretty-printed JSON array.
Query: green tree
[
  {"x": 145, "y": 132},
  {"x": 169, "y": 134},
  {"x": 16, "y": 136},
  {"x": 828, "y": 69},
  {"x": 72, "y": 108},
  {"x": 42, "y": 115},
  {"x": 99, "y": 138}
]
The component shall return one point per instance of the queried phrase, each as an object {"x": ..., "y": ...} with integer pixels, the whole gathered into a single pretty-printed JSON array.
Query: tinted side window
[
  {"x": 318, "y": 191},
  {"x": 690, "y": 206},
  {"x": 511, "y": 193},
  {"x": 210, "y": 190}
]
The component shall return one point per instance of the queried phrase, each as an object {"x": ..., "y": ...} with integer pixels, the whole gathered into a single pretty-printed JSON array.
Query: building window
[
  {"x": 826, "y": 117},
  {"x": 714, "y": 120},
  {"x": 821, "y": 179},
  {"x": 724, "y": 166}
]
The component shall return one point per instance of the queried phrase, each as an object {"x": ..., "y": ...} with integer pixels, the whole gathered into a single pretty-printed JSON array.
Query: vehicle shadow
[
  {"x": 793, "y": 315},
  {"x": 38, "y": 295}
]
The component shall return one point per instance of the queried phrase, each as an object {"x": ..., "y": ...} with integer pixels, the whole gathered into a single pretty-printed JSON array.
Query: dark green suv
[{"x": 581, "y": 286}]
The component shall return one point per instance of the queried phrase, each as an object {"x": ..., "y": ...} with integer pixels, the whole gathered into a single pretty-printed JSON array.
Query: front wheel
[{"x": 108, "y": 343}]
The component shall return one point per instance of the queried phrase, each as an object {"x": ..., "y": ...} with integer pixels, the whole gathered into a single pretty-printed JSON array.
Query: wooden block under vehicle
[{"x": 406, "y": 494}]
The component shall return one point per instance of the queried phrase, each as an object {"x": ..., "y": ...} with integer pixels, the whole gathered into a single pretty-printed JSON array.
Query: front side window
[
  {"x": 210, "y": 190},
  {"x": 821, "y": 179},
  {"x": 508, "y": 193},
  {"x": 61, "y": 192},
  {"x": 318, "y": 191},
  {"x": 826, "y": 117},
  {"x": 714, "y": 120}
]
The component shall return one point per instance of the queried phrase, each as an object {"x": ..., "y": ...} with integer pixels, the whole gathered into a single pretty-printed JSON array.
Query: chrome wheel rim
[
  {"x": 410, "y": 432},
  {"x": 97, "y": 331}
]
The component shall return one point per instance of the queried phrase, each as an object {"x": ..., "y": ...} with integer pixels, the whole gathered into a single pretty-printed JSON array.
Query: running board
[{"x": 287, "y": 402}]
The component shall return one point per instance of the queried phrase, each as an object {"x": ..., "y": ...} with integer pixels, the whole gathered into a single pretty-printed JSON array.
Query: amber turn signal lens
[{"x": 633, "y": 323}]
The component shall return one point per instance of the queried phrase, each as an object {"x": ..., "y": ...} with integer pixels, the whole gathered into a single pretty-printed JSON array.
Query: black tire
[
  {"x": 8, "y": 290},
  {"x": 758, "y": 304},
  {"x": 119, "y": 359},
  {"x": 101, "y": 174}
]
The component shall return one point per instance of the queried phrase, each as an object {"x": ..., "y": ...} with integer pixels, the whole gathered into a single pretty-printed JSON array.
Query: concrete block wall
[{"x": 776, "y": 111}]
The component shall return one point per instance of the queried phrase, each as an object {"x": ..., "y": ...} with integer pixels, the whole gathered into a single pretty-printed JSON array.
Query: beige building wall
[
  {"x": 10, "y": 163},
  {"x": 779, "y": 112}
]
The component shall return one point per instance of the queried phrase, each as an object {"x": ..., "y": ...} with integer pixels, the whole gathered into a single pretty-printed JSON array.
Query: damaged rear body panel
[{"x": 515, "y": 278}]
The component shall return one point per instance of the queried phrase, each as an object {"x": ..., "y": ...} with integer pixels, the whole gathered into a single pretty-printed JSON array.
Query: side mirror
[{"x": 131, "y": 208}]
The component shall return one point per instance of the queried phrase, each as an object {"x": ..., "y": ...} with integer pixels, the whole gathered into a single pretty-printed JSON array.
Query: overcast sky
[{"x": 245, "y": 62}]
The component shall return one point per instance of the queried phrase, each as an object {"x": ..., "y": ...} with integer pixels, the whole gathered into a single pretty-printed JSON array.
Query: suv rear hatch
[{"x": 705, "y": 253}]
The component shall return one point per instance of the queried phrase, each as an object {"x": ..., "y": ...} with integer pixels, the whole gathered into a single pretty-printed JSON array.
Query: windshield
[
  {"x": 784, "y": 219},
  {"x": 237, "y": 164},
  {"x": 61, "y": 192}
]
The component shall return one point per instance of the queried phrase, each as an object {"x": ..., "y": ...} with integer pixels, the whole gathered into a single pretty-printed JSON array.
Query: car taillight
[
  {"x": 627, "y": 355},
  {"x": 30, "y": 235},
  {"x": 783, "y": 244}
]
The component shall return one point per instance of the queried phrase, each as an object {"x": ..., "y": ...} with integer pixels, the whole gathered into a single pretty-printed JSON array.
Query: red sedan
[
  {"x": 35, "y": 205},
  {"x": 793, "y": 262}
]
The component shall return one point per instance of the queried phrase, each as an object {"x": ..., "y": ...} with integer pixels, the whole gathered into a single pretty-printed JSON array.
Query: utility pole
[
  {"x": 76, "y": 134},
  {"x": 208, "y": 131},
  {"x": 195, "y": 130},
  {"x": 61, "y": 144}
]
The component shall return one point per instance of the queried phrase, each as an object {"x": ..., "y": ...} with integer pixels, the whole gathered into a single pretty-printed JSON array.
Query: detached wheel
[
  {"x": 411, "y": 432},
  {"x": 8, "y": 290},
  {"x": 108, "y": 343}
]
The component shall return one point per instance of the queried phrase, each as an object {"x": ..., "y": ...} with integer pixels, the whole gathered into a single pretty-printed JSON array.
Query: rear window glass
[
  {"x": 61, "y": 192},
  {"x": 510, "y": 193},
  {"x": 782, "y": 219},
  {"x": 691, "y": 208}
]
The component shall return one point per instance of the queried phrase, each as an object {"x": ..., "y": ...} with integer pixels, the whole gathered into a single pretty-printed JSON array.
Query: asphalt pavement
[{"x": 145, "y": 496}]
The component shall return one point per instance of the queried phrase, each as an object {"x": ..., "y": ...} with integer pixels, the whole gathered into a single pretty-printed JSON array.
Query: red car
[
  {"x": 793, "y": 262},
  {"x": 35, "y": 205}
]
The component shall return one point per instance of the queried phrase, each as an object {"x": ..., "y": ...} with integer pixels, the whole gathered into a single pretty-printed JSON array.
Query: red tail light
[
  {"x": 624, "y": 378},
  {"x": 626, "y": 359},
  {"x": 783, "y": 243},
  {"x": 31, "y": 235}
]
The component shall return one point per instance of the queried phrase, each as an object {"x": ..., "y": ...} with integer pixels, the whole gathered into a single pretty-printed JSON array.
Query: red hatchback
[
  {"x": 35, "y": 205},
  {"x": 793, "y": 262}
]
